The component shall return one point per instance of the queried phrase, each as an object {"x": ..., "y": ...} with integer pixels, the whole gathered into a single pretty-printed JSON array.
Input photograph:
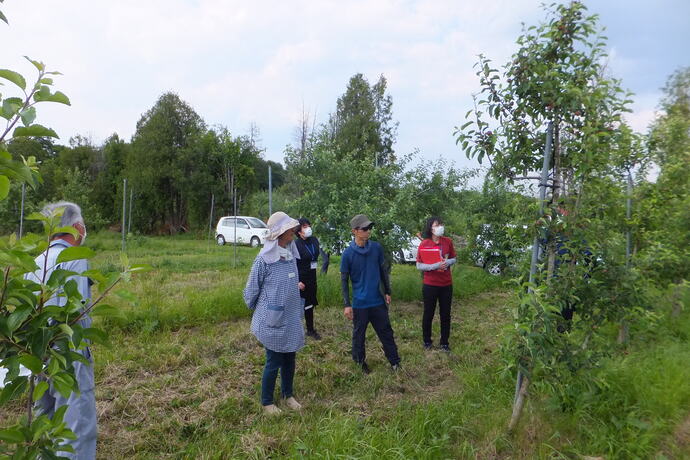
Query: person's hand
[
  {"x": 388, "y": 299},
  {"x": 300, "y": 285},
  {"x": 348, "y": 313},
  {"x": 443, "y": 265}
]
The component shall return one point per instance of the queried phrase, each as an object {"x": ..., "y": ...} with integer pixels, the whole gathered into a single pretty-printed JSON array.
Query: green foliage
[
  {"x": 495, "y": 222},
  {"x": 663, "y": 219},
  {"x": 556, "y": 77},
  {"x": 331, "y": 190},
  {"x": 362, "y": 126},
  {"x": 45, "y": 347},
  {"x": 41, "y": 337}
]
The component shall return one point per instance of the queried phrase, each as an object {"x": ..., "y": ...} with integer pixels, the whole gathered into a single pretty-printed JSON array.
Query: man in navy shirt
[{"x": 363, "y": 262}]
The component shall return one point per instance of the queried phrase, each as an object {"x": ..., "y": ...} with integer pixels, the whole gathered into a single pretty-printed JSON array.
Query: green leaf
[
  {"x": 75, "y": 253},
  {"x": 34, "y": 131},
  {"x": 107, "y": 311},
  {"x": 11, "y": 435},
  {"x": 68, "y": 229},
  {"x": 140, "y": 268},
  {"x": 39, "y": 65},
  {"x": 58, "y": 96},
  {"x": 94, "y": 275},
  {"x": 13, "y": 390},
  {"x": 28, "y": 115},
  {"x": 32, "y": 363},
  {"x": 4, "y": 187},
  {"x": 14, "y": 77},
  {"x": 10, "y": 107},
  {"x": 66, "y": 329},
  {"x": 126, "y": 295},
  {"x": 40, "y": 340},
  {"x": 39, "y": 390},
  {"x": 64, "y": 384},
  {"x": 3, "y": 18},
  {"x": 18, "y": 317},
  {"x": 96, "y": 335}
]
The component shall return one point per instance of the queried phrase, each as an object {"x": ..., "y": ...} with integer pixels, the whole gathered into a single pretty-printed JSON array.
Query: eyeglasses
[{"x": 365, "y": 229}]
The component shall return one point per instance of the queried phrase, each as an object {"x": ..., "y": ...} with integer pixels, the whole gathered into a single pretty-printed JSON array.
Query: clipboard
[{"x": 430, "y": 255}]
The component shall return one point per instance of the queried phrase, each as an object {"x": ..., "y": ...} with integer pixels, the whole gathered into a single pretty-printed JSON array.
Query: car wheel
[
  {"x": 494, "y": 269},
  {"x": 220, "y": 240},
  {"x": 254, "y": 242},
  {"x": 399, "y": 256}
]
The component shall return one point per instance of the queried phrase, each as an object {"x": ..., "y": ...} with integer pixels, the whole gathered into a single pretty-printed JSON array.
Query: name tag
[
  {"x": 314, "y": 265},
  {"x": 291, "y": 275}
]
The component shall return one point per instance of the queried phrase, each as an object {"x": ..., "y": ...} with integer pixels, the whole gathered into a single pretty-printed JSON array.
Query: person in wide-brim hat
[{"x": 273, "y": 294}]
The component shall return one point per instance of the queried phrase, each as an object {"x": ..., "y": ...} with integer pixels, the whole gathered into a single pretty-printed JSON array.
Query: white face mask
[
  {"x": 438, "y": 230},
  {"x": 307, "y": 232}
]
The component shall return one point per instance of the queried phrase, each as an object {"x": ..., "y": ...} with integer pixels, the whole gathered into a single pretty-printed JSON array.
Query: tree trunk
[{"x": 518, "y": 404}]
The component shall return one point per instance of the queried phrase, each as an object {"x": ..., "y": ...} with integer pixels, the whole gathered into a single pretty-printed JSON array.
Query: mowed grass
[{"x": 182, "y": 376}]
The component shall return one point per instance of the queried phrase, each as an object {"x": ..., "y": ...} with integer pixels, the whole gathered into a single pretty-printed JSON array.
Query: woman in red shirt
[{"x": 435, "y": 256}]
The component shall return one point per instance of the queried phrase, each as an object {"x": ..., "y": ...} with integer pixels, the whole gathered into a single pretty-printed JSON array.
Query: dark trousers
[
  {"x": 378, "y": 317},
  {"x": 444, "y": 296},
  {"x": 285, "y": 362},
  {"x": 309, "y": 316}
]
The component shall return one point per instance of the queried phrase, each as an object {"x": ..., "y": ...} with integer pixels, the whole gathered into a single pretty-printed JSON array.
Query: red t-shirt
[{"x": 436, "y": 277}]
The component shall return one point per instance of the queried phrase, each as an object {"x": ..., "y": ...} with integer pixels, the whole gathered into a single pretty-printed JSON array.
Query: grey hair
[{"x": 70, "y": 216}]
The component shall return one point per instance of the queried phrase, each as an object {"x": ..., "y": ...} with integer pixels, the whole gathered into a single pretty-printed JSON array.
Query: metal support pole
[
  {"x": 234, "y": 245},
  {"x": 124, "y": 211},
  {"x": 21, "y": 213},
  {"x": 535, "y": 244},
  {"x": 210, "y": 219},
  {"x": 270, "y": 191},
  {"x": 628, "y": 215},
  {"x": 129, "y": 214}
]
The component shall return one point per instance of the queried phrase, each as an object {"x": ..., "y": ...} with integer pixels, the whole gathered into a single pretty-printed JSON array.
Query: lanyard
[{"x": 312, "y": 251}]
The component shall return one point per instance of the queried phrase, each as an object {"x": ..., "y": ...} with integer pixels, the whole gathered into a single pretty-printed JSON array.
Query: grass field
[{"x": 182, "y": 377}]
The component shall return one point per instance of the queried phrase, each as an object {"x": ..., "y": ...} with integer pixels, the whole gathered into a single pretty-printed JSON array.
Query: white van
[{"x": 249, "y": 230}]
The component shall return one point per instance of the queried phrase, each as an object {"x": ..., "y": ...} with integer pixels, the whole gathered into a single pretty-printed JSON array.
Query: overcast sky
[{"x": 238, "y": 62}]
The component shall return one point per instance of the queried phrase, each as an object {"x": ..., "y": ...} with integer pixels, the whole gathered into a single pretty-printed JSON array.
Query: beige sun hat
[{"x": 279, "y": 223}]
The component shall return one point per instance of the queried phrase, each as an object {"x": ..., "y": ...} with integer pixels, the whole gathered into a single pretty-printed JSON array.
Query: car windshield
[{"x": 256, "y": 223}]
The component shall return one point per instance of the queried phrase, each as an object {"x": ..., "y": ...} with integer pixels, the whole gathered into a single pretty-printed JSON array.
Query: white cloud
[{"x": 242, "y": 62}]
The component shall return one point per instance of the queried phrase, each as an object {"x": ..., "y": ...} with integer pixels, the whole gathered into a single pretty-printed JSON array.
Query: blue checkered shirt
[{"x": 272, "y": 293}]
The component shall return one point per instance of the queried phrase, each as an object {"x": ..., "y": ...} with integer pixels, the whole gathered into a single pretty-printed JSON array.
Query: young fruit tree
[
  {"x": 39, "y": 341},
  {"x": 557, "y": 78}
]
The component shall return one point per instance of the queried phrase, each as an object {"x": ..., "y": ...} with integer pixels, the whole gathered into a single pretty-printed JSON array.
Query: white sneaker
[
  {"x": 272, "y": 409},
  {"x": 293, "y": 404}
]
